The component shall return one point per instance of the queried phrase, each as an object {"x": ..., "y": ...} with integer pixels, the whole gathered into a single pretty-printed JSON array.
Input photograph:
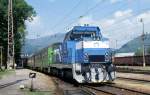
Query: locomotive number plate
[{"x": 95, "y": 65}]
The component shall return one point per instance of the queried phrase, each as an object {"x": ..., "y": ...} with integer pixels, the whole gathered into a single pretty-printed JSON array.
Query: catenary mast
[{"x": 10, "y": 52}]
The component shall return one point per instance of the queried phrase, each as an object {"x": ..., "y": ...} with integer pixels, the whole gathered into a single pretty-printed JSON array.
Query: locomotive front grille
[{"x": 96, "y": 58}]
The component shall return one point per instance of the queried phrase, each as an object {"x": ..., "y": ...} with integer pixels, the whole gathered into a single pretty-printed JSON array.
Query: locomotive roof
[
  {"x": 85, "y": 28},
  {"x": 82, "y": 30}
]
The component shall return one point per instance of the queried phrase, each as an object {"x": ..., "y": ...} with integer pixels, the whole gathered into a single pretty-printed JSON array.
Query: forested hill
[
  {"x": 34, "y": 45},
  {"x": 135, "y": 44}
]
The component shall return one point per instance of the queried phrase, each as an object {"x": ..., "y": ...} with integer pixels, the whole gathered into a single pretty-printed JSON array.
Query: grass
[
  {"x": 38, "y": 93},
  {"x": 6, "y": 73},
  {"x": 35, "y": 92}
]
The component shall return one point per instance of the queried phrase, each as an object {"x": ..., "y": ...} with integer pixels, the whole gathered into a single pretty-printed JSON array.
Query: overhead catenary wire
[
  {"x": 87, "y": 12},
  {"x": 66, "y": 15},
  {"x": 123, "y": 19},
  {"x": 129, "y": 17},
  {"x": 128, "y": 28},
  {"x": 117, "y": 22},
  {"x": 84, "y": 14},
  {"x": 90, "y": 9}
]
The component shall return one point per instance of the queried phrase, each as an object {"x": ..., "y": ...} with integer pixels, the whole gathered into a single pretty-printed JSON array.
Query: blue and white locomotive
[{"x": 84, "y": 55}]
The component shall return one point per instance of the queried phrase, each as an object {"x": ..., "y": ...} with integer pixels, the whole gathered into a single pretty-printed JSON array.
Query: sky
[{"x": 119, "y": 20}]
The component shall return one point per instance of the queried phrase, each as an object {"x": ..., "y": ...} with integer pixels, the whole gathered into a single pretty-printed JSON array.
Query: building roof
[{"x": 124, "y": 54}]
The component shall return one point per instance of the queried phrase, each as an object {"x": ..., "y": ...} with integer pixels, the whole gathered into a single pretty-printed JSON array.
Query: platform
[{"x": 42, "y": 84}]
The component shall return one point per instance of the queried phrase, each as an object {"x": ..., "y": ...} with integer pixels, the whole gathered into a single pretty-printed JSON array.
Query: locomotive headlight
[
  {"x": 107, "y": 57},
  {"x": 86, "y": 56}
]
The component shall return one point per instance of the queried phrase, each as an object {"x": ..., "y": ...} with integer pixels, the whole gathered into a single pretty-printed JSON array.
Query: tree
[
  {"x": 139, "y": 52},
  {"x": 21, "y": 12}
]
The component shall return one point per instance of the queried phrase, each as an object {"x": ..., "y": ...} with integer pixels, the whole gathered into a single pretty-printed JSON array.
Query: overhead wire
[
  {"x": 66, "y": 15},
  {"x": 90, "y": 9},
  {"x": 123, "y": 19},
  {"x": 84, "y": 14},
  {"x": 130, "y": 28},
  {"x": 87, "y": 12},
  {"x": 126, "y": 28},
  {"x": 120, "y": 28},
  {"x": 117, "y": 22}
]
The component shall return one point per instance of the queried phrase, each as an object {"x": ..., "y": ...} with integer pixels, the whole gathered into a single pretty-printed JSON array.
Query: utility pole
[
  {"x": 116, "y": 44},
  {"x": 142, "y": 38},
  {"x": 10, "y": 51}
]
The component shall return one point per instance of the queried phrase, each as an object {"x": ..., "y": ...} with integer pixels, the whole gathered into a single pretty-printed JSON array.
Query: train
[
  {"x": 131, "y": 60},
  {"x": 84, "y": 56}
]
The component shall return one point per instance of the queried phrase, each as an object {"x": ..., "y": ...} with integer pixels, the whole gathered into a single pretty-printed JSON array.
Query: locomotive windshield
[{"x": 84, "y": 36}]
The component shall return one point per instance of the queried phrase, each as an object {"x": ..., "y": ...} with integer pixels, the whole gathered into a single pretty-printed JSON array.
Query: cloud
[
  {"x": 36, "y": 22},
  {"x": 145, "y": 16},
  {"x": 121, "y": 26},
  {"x": 99, "y": 0},
  {"x": 86, "y": 20},
  {"x": 123, "y": 13},
  {"x": 34, "y": 27},
  {"x": 114, "y": 1},
  {"x": 111, "y": 1},
  {"x": 51, "y": 0},
  {"x": 124, "y": 30},
  {"x": 116, "y": 18},
  {"x": 37, "y": 28}
]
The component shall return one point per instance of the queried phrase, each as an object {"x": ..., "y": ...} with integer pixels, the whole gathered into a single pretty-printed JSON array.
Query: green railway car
[
  {"x": 50, "y": 55},
  {"x": 42, "y": 60}
]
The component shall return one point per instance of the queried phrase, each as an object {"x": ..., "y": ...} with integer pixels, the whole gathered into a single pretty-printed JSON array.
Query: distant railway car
[
  {"x": 83, "y": 56},
  {"x": 131, "y": 60},
  {"x": 31, "y": 62}
]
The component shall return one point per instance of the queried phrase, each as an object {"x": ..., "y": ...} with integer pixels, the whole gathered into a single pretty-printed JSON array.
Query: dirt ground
[{"x": 42, "y": 84}]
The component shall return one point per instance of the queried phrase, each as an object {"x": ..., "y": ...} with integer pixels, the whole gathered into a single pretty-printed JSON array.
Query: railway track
[
  {"x": 134, "y": 71},
  {"x": 67, "y": 88},
  {"x": 105, "y": 89},
  {"x": 11, "y": 83},
  {"x": 112, "y": 89},
  {"x": 134, "y": 79},
  {"x": 78, "y": 92}
]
